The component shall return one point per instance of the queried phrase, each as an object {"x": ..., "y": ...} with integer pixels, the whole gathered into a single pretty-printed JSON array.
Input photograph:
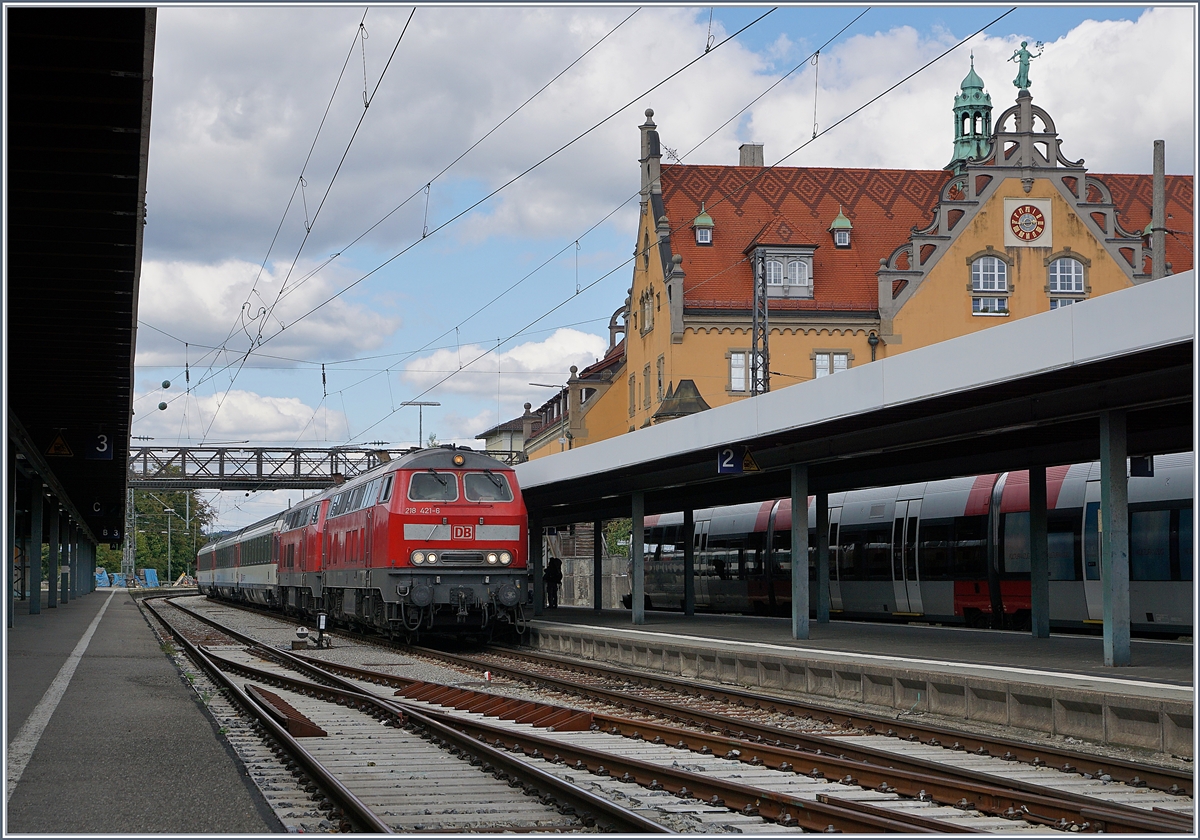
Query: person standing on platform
[{"x": 554, "y": 577}]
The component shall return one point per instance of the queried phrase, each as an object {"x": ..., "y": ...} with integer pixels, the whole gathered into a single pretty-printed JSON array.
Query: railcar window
[
  {"x": 865, "y": 552},
  {"x": 1015, "y": 551},
  {"x": 486, "y": 487},
  {"x": 1091, "y": 541},
  {"x": 1150, "y": 545},
  {"x": 433, "y": 487},
  {"x": 937, "y": 548},
  {"x": 1185, "y": 544},
  {"x": 316, "y": 512},
  {"x": 387, "y": 489},
  {"x": 970, "y": 547}
]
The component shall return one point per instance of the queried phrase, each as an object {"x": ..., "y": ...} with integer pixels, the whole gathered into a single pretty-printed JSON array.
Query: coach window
[
  {"x": 989, "y": 284},
  {"x": 433, "y": 487},
  {"x": 486, "y": 487},
  {"x": 1066, "y": 280}
]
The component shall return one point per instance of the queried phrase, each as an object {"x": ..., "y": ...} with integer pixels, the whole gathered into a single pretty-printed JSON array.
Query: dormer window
[
  {"x": 703, "y": 225},
  {"x": 841, "y": 230},
  {"x": 789, "y": 272}
]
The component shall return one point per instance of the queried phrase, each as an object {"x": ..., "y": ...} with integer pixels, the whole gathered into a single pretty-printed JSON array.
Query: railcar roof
[{"x": 443, "y": 459}]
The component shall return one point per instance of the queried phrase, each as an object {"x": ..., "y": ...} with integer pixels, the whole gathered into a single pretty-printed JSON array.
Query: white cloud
[
  {"x": 206, "y": 305},
  {"x": 509, "y": 372},
  {"x": 239, "y": 415}
]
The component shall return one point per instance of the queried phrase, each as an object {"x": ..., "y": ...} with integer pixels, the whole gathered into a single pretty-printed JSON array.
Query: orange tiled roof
[
  {"x": 795, "y": 206},
  {"x": 1132, "y": 195},
  {"x": 882, "y": 204}
]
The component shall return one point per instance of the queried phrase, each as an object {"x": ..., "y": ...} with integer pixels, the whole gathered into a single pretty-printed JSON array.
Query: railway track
[
  {"x": 373, "y": 766},
  {"x": 733, "y": 765}
]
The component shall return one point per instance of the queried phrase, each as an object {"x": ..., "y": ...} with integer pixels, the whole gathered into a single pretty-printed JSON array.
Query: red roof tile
[{"x": 792, "y": 205}]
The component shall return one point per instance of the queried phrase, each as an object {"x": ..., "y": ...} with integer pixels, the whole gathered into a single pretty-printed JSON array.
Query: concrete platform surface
[
  {"x": 1057, "y": 686},
  {"x": 128, "y": 748}
]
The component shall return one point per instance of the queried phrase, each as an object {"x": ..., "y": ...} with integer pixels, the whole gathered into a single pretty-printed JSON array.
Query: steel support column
[
  {"x": 1114, "y": 537},
  {"x": 637, "y": 544},
  {"x": 10, "y": 530},
  {"x": 55, "y": 532},
  {"x": 535, "y": 565},
  {"x": 33, "y": 551},
  {"x": 822, "y": 558},
  {"x": 64, "y": 570},
  {"x": 1039, "y": 556},
  {"x": 689, "y": 561},
  {"x": 598, "y": 564},
  {"x": 800, "y": 551}
]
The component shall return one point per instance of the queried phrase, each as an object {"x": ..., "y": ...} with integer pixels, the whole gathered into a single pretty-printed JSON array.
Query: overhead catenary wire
[{"x": 790, "y": 154}]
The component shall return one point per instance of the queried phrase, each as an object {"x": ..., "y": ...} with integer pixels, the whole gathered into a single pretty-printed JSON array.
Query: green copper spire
[{"x": 972, "y": 121}]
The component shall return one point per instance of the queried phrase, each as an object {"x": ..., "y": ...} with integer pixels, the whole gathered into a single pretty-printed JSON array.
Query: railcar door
[
  {"x": 703, "y": 563},
  {"x": 835, "y": 583},
  {"x": 905, "y": 583},
  {"x": 1093, "y": 568}
]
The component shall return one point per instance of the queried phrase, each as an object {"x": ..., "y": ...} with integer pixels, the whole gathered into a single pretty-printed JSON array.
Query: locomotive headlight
[
  {"x": 418, "y": 557},
  {"x": 505, "y": 558},
  {"x": 492, "y": 558},
  {"x": 431, "y": 557}
]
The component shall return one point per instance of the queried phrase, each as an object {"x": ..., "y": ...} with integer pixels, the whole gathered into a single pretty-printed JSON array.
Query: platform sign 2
[
  {"x": 100, "y": 448},
  {"x": 735, "y": 460}
]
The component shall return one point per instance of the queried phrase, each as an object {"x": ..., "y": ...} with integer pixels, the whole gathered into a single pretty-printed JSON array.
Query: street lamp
[
  {"x": 562, "y": 440},
  {"x": 420, "y": 419}
]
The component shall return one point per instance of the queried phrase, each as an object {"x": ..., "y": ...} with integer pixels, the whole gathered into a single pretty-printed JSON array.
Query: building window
[
  {"x": 827, "y": 362},
  {"x": 788, "y": 275},
  {"x": 647, "y": 302},
  {"x": 661, "y": 365},
  {"x": 632, "y": 394},
  {"x": 703, "y": 236},
  {"x": 841, "y": 238},
  {"x": 646, "y": 380},
  {"x": 738, "y": 373},
  {"x": 1066, "y": 277},
  {"x": 989, "y": 274}
]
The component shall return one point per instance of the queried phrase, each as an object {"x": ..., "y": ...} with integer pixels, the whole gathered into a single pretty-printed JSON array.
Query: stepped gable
[
  {"x": 794, "y": 206},
  {"x": 1133, "y": 197}
]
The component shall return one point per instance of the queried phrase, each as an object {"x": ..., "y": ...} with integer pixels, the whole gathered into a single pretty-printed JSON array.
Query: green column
[
  {"x": 34, "y": 553},
  {"x": 55, "y": 532},
  {"x": 1039, "y": 556},
  {"x": 1114, "y": 537},
  {"x": 598, "y": 564},
  {"x": 800, "y": 551}
]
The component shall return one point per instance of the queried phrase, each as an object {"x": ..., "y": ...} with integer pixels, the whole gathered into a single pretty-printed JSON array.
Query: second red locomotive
[{"x": 435, "y": 541}]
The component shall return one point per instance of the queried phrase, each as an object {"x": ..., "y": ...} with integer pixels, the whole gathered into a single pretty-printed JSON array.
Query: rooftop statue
[{"x": 1023, "y": 57}]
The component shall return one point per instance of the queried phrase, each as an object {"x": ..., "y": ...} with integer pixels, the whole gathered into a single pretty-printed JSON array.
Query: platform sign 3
[
  {"x": 100, "y": 448},
  {"x": 735, "y": 460}
]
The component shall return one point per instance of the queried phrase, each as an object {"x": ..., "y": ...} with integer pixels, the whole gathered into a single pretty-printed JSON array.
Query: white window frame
[
  {"x": 789, "y": 273},
  {"x": 990, "y": 286},
  {"x": 841, "y": 238},
  {"x": 739, "y": 371},
  {"x": 828, "y": 362},
  {"x": 703, "y": 236},
  {"x": 1071, "y": 283}
]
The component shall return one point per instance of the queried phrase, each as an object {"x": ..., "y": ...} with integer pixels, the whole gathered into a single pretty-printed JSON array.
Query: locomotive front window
[
  {"x": 433, "y": 487},
  {"x": 487, "y": 487}
]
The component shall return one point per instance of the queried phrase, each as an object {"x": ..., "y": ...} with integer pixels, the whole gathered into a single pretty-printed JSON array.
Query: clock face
[{"x": 1027, "y": 222}]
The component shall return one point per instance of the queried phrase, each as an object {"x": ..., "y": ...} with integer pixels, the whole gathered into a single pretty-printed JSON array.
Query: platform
[
  {"x": 120, "y": 744},
  {"x": 1056, "y": 686}
]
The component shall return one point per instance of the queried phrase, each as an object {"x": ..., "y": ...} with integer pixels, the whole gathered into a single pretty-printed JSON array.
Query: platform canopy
[
  {"x": 79, "y": 91},
  {"x": 1021, "y": 394}
]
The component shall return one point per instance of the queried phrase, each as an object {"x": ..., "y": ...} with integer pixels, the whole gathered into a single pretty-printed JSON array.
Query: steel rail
[
  {"x": 812, "y": 745},
  {"x": 1065, "y": 812},
  {"x": 584, "y": 802},
  {"x": 355, "y": 810},
  {"x": 1130, "y": 772}
]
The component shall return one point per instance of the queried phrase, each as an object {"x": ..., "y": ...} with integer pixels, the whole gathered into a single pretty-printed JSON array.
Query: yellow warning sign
[
  {"x": 59, "y": 448},
  {"x": 748, "y": 463}
]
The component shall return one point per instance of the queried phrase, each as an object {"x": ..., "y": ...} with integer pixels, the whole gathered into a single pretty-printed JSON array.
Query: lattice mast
[{"x": 760, "y": 332}]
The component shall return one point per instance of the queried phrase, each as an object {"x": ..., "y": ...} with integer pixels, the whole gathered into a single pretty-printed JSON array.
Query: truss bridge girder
[{"x": 257, "y": 468}]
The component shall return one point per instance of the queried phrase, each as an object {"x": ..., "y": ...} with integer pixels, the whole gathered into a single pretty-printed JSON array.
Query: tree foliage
[{"x": 191, "y": 519}]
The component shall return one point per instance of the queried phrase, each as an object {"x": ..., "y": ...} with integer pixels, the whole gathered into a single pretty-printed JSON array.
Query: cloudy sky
[{"x": 312, "y": 262}]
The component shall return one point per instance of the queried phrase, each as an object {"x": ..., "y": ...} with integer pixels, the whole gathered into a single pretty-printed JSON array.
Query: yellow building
[{"x": 855, "y": 264}]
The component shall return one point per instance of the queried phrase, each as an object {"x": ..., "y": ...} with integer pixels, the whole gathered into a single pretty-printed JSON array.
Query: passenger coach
[{"x": 953, "y": 552}]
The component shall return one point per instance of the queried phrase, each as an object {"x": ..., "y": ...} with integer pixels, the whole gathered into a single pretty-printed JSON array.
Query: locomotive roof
[{"x": 443, "y": 459}]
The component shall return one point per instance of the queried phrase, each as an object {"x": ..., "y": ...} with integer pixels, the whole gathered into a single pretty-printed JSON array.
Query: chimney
[
  {"x": 750, "y": 154},
  {"x": 1158, "y": 214}
]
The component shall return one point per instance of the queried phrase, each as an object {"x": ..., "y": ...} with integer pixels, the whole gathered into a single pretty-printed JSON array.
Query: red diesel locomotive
[{"x": 435, "y": 541}]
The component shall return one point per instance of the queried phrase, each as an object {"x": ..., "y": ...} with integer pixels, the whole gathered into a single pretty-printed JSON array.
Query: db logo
[{"x": 462, "y": 532}]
